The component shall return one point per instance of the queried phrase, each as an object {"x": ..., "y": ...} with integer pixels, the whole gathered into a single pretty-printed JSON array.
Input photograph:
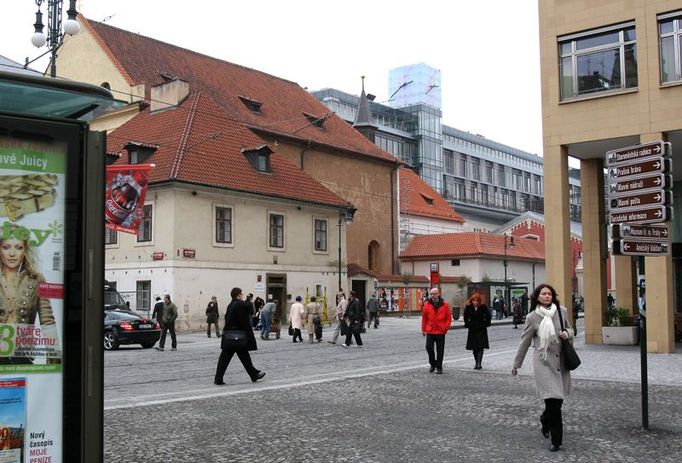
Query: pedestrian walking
[
  {"x": 296, "y": 318},
  {"x": 212, "y": 317},
  {"x": 477, "y": 321},
  {"x": 517, "y": 313},
  {"x": 237, "y": 317},
  {"x": 524, "y": 302},
  {"x": 313, "y": 311},
  {"x": 436, "y": 321},
  {"x": 552, "y": 379},
  {"x": 354, "y": 317},
  {"x": 266, "y": 319},
  {"x": 258, "y": 304},
  {"x": 170, "y": 313},
  {"x": 339, "y": 313},
  {"x": 373, "y": 308},
  {"x": 157, "y": 314},
  {"x": 498, "y": 307}
]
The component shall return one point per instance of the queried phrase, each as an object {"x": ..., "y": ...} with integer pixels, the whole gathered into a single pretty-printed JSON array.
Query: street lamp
[
  {"x": 54, "y": 38},
  {"x": 508, "y": 243},
  {"x": 346, "y": 217}
]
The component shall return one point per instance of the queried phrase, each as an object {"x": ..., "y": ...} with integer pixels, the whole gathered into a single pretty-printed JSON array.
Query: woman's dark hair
[
  {"x": 235, "y": 293},
  {"x": 536, "y": 294}
]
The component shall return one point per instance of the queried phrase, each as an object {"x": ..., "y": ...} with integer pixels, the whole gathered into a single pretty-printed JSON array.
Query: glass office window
[
  {"x": 598, "y": 61},
  {"x": 670, "y": 41}
]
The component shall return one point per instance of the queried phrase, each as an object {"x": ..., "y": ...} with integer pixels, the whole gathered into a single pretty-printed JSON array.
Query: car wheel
[
  {"x": 148, "y": 345},
  {"x": 110, "y": 340}
]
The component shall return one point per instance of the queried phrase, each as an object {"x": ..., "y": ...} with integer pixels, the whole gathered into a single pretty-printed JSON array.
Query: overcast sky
[{"x": 487, "y": 50}]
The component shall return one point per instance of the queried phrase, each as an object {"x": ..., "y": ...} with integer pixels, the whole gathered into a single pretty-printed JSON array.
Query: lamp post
[
  {"x": 508, "y": 243},
  {"x": 346, "y": 217},
  {"x": 54, "y": 38}
]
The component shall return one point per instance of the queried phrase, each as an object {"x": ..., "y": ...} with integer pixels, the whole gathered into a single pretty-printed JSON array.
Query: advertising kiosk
[{"x": 51, "y": 261}]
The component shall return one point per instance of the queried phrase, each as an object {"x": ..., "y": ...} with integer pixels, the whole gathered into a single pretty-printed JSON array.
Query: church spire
[{"x": 363, "y": 119}]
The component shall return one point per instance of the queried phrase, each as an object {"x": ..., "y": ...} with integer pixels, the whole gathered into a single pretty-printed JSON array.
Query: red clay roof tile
[
  {"x": 471, "y": 244},
  {"x": 418, "y": 198},
  {"x": 143, "y": 60},
  {"x": 198, "y": 144}
]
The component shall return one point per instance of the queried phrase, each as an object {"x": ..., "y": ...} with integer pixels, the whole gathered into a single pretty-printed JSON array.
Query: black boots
[{"x": 478, "y": 356}]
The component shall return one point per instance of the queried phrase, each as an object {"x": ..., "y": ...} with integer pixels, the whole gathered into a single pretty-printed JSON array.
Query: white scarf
[{"x": 546, "y": 331}]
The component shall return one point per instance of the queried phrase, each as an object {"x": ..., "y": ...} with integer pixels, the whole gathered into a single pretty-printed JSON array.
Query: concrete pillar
[
  {"x": 558, "y": 253},
  {"x": 594, "y": 262},
  {"x": 660, "y": 330},
  {"x": 626, "y": 283}
]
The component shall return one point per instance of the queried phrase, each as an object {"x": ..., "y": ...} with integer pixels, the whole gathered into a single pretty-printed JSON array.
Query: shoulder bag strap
[{"x": 561, "y": 319}]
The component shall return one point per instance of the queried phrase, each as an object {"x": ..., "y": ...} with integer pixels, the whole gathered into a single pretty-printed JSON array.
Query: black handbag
[
  {"x": 291, "y": 330},
  {"x": 570, "y": 356},
  {"x": 234, "y": 340}
]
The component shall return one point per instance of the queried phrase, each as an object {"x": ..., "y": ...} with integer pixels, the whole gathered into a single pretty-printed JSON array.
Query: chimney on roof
[
  {"x": 363, "y": 119},
  {"x": 169, "y": 94}
]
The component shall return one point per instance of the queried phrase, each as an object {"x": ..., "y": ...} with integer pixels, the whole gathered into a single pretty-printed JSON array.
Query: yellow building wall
[{"x": 633, "y": 114}]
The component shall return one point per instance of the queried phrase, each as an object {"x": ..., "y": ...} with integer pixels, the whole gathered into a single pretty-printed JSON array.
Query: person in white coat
[
  {"x": 296, "y": 318},
  {"x": 552, "y": 379}
]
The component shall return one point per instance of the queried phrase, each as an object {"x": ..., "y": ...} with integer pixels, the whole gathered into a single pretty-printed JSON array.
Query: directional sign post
[
  {"x": 637, "y": 248},
  {"x": 640, "y": 232},
  {"x": 656, "y": 197},
  {"x": 632, "y": 153},
  {"x": 640, "y": 193},
  {"x": 622, "y": 187}
]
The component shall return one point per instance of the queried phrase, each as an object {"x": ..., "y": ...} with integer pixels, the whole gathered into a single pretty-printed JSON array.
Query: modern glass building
[{"x": 487, "y": 182}]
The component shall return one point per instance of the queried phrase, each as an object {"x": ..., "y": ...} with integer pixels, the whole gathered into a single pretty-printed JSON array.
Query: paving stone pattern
[{"x": 389, "y": 415}]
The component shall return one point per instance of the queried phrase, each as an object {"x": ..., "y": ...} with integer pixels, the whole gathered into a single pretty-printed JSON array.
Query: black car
[{"x": 123, "y": 326}]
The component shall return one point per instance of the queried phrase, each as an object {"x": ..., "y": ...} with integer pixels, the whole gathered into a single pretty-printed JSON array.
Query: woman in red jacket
[{"x": 436, "y": 319}]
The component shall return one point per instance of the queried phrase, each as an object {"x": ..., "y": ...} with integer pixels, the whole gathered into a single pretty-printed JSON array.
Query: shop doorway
[{"x": 360, "y": 288}]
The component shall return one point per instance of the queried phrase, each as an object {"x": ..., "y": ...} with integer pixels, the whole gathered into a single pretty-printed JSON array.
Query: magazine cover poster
[
  {"x": 12, "y": 419},
  {"x": 32, "y": 214},
  {"x": 124, "y": 197},
  {"x": 32, "y": 224}
]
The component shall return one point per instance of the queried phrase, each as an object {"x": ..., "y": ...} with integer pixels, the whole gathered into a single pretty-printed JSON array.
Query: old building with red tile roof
[
  {"x": 477, "y": 255},
  {"x": 283, "y": 115},
  {"x": 223, "y": 209},
  {"x": 423, "y": 211}
]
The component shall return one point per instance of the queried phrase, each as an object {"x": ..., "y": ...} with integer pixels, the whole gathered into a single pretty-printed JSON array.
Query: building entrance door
[{"x": 276, "y": 289}]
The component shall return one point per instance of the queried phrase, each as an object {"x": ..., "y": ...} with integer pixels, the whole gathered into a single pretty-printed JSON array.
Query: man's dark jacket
[{"x": 238, "y": 317}]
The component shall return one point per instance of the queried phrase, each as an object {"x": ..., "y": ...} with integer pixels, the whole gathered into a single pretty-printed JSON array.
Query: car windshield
[{"x": 112, "y": 298}]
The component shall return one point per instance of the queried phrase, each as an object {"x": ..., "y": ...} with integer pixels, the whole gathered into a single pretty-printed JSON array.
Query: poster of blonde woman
[
  {"x": 31, "y": 279},
  {"x": 32, "y": 222}
]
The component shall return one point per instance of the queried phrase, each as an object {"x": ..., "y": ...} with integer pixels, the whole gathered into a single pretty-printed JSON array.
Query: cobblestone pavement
[{"x": 380, "y": 404}]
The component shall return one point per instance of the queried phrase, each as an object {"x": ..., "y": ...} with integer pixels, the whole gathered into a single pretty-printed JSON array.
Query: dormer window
[
  {"x": 138, "y": 153},
  {"x": 259, "y": 157},
  {"x": 317, "y": 121},
  {"x": 428, "y": 199},
  {"x": 251, "y": 104}
]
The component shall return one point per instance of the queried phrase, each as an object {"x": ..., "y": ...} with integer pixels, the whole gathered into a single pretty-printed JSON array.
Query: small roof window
[
  {"x": 259, "y": 157},
  {"x": 427, "y": 198},
  {"x": 317, "y": 121},
  {"x": 251, "y": 104},
  {"x": 139, "y": 152}
]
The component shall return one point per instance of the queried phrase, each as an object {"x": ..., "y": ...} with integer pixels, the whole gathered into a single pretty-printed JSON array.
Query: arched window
[
  {"x": 105, "y": 85},
  {"x": 373, "y": 255}
]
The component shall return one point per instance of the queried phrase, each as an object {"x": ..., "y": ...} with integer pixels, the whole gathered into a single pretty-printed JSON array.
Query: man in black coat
[
  {"x": 238, "y": 317},
  {"x": 157, "y": 314},
  {"x": 355, "y": 315},
  {"x": 212, "y": 317}
]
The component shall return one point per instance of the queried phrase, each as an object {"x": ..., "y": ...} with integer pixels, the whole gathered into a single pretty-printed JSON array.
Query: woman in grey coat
[{"x": 552, "y": 379}]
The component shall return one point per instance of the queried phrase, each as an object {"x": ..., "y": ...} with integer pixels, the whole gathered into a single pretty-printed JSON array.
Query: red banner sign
[{"x": 124, "y": 196}]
